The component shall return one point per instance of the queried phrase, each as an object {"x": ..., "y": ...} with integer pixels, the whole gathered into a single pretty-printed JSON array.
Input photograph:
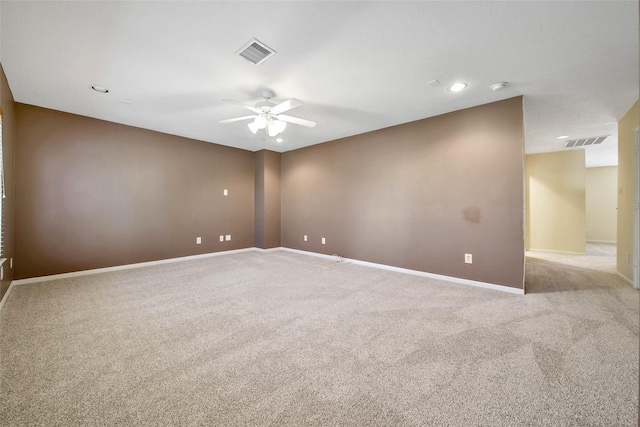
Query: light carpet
[{"x": 283, "y": 339}]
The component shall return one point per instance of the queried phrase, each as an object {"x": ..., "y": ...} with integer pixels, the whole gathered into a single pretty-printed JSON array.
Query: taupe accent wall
[
  {"x": 416, "y": 196},
  {"x": 8, "y": 147},
  {"x": 267, "y": 200},
  {"x": 92, "y": 194}
]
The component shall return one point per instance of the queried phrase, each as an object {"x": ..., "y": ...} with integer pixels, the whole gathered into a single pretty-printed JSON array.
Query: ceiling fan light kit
[{"x": 268, "y": 115}]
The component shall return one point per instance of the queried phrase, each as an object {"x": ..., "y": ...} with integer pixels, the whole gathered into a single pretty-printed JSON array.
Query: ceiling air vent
[
  {"x": 256, "y": 52},
  {"x": 574, "y": 143}
]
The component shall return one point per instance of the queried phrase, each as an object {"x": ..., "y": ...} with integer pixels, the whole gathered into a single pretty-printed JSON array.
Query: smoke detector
[{"x": 498, "y": 86}]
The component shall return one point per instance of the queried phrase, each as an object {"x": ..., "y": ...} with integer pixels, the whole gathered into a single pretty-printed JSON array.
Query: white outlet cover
[
  {"x": 305, "y": 237},
  {"x": 221, "y": 238},
  {"x": 198, "y": 240},
  {"x": 227, "y": 237},
  {"x": 225, "y": 192},
  {"x": 324, "y": 241},
  {"x": 468, "y": 258}
]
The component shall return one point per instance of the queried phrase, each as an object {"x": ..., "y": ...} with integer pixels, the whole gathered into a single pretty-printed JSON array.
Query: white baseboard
[
  {"x": 125, "y": 267},
  {"x": 555, "y": 252},
  {"x": 6, "y": 295},
  {"x": 625, "y": 278},
  {"x": 315, "y": 254},
  {"x": 268, "y": 250},
  {"x": 475, "y": 283}
]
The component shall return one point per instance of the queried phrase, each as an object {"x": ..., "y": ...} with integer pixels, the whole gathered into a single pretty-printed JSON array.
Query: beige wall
[
  {"x": 92, "y": 194},
  {"x": 626, "y": 129},
  {"x": 555, "y": 193},
  {"x": 417, "y": 196},
  {"x": 601, "y": 197}
]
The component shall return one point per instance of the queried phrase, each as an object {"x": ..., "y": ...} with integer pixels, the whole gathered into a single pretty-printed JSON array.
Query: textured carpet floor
[{"x": 286, "y": 339}]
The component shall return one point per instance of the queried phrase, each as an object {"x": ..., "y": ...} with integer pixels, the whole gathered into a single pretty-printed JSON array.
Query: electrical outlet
[
  {"x": 225, "y": 192},
  {"x": 198, "y": 240},
  {"x": 227, "y": 237},
  {"x": 221, "y": 238},
  {"x": 305, "y": 238},
  {"x": 324, "y": 241},
  {"x": 468, "y": 258}
]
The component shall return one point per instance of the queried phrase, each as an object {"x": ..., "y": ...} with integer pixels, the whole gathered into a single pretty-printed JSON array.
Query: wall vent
[
  {"x": 256, "y": 52},
  {"x": 583, "y": 142}
]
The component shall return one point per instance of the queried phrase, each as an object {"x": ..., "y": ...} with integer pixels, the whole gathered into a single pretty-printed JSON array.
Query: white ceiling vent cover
[
  {"x": 256, "y": 52},
  {"x": 574, "y": 143}
]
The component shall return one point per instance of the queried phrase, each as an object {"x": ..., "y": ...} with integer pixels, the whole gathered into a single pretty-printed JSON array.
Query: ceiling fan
[{"x": 269, "y": 116}]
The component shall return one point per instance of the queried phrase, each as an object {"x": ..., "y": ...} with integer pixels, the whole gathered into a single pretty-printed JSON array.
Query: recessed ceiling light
[
  {"x": 563, "y": 137},
  {"x": 457, "y": 87},
  {"x": 498, "y": 86},
  {"x": 279, "y": 140},
  {"x": 100, "y": 89}
]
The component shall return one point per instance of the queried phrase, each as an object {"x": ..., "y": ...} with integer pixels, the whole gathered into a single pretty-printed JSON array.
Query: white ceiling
[{"x": 357, "y": 66}]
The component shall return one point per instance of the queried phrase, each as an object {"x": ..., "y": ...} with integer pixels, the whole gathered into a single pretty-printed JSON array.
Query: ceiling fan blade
[
  {"x": 286, "y": 106},
  {"x": 238, "y": 119},
  {"x": 240, "y": 104},
  {"x": 296, "y": 121}
]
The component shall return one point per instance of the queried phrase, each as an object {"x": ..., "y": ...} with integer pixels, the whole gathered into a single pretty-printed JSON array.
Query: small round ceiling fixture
[
  {"x": 279, "y": 140},
  {"x": 563, "y": 137},
  {"x": 457, "y": 87},
  {"x": 100, "y": 89},
  {"x": 498, "y": 86}
]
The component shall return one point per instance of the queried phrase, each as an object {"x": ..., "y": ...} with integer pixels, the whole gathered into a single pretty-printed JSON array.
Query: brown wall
[
  {"x": 267, "y": 199},
  {"x": 8, "y": 149},
  {"x": 416, "y": 196},
  {"x": 93, "y": 194}
]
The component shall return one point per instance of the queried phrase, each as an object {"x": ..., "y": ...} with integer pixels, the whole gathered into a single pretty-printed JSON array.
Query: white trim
[
  {"x": 625, "y": 278},
  {"x": 6, "y": 295},
  {"x": 315, "y": 254},
  {"x": 555, "y": 252},
  {"x": 268, "y": 250},
  {"x": 415, "y": 272},
  {"x": 613, "y": 242},
  {"x": 636, "y": 211},
  {"x": 125, "y": 267}
]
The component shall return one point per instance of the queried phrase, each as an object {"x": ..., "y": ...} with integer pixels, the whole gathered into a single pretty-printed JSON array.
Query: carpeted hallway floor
[{"x": 285, "y": 339}]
